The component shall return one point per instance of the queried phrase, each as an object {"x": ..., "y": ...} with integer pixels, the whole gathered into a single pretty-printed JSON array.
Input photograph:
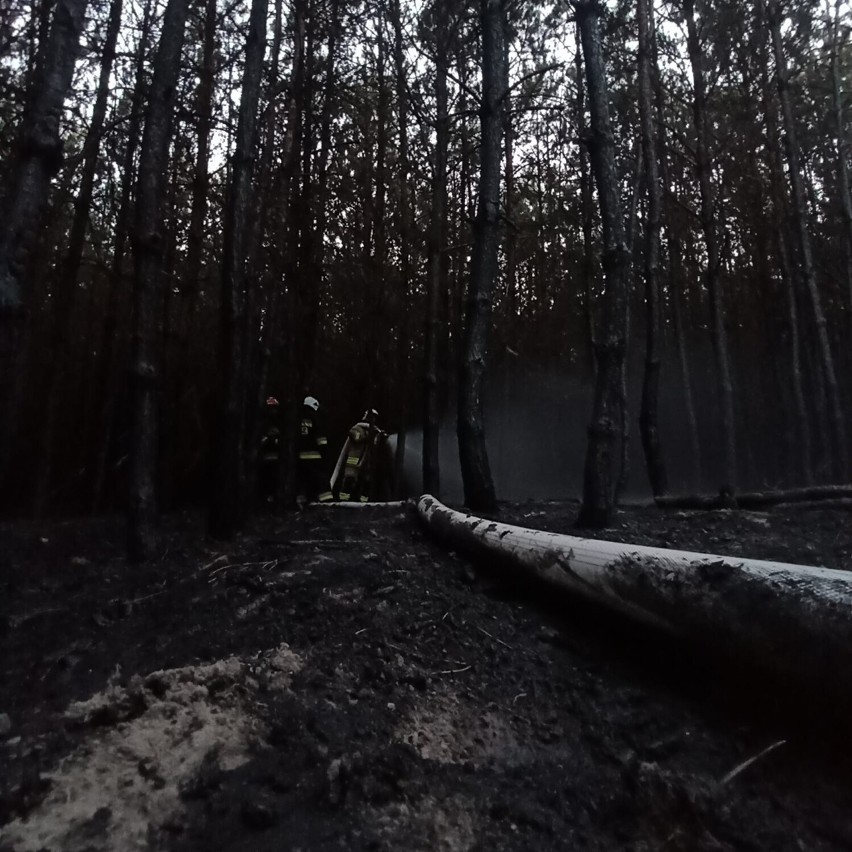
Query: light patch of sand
[
  {"x": 447, "y": 730},
  {"x": 124, "y": 780}
]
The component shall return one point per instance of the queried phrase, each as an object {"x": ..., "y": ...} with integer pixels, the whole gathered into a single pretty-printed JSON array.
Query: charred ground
[{"x": 335, "y": 679}]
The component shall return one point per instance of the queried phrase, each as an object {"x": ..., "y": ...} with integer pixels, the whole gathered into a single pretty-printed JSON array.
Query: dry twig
[
  {"x": 500, "y": 641},
  {"x": 746, "y": 763}
]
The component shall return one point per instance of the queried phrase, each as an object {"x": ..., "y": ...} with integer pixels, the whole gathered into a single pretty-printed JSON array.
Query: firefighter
[
  {"x": 312, "y": 443},
  {"x": 360, "y": 473},
  {"x": 270, "y": 449}
]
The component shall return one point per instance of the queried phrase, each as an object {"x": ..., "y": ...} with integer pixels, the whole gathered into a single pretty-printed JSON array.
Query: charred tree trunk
[
  {"x": 598, "y": 492},
  {"x": 648, "y": 416},
  {"x": 800, "y": 215},
  {"x": 783, "y": 238},
  {"x": 674, "y": 247},
  {"x": 587, "y": 266},
  {"x": 278, "y": 305},
  {"x": 623, "y": 399},
  {"x": 511, "y": 241},
  {"x": 405, "y": 220},
  {"x": 843, "y": 149},
  {"x": 436, "y": 279},
  {"x": 38, "y": 156},
  {"x": 709, "y": 224},
  {"x": 201, "y": 171},
  {"x": 148, "y": 253},
  {"x": 113, "y": 356},
  {"x": 228, "y": 495},
  {"x": 479, "y": 490},
  {"x": 66, "y": 285}
]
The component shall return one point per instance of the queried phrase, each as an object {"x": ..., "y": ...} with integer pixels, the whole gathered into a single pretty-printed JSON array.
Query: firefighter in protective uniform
[
  {"x": 312, "y": 443},
  {"x": 360, "y": 473}
]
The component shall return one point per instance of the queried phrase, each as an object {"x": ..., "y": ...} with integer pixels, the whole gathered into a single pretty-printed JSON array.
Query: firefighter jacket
[
  {"x": 312, "y": 439},
  {"x": 356, "y": 475}
]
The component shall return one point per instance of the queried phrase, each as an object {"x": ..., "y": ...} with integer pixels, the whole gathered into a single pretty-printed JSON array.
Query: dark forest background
[{"x": 644, "y": 204}]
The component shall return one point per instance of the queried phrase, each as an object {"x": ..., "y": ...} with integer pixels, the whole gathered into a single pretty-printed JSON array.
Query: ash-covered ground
[{"x": 338, "y": 680}]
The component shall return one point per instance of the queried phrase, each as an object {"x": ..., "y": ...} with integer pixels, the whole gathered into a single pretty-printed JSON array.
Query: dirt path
[{"x": 336, "y": 680}]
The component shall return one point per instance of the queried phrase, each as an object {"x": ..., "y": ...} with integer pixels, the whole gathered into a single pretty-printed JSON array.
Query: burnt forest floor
[{"x": 337, "y": 680}]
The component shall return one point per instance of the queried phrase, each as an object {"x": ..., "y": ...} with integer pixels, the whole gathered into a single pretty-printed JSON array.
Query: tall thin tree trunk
[
  {"x": 479, "y": 493},
  {"x": 587, "y": 267},
  {"x": 648, "y": 416},
  {"x": 377, "y": 260},
  {"x": 842, "y": 141},
  {"x": 709, "y": 225},
  {"x": 228, "y": 494},
  {"x": 800, "y": 215},
  {"x": 65, "y": 290},
  {"x": 674, "y": 249},
  {"x": 278, "y": 303},
  {"x": 404, "y": 245},
  {"x": 511, "y": 241},
  {"x": 201, "y": 169},
  {"x": 112, "y": 361},
  {"x": 149, "y": 243},
  {"x": 782, "y": 239},
  {"x": 598, "y": 493},
  {"x": 435, "y": 265},
  {"x": 623, "y": 396},
  {"x": 38, "y": 156}
]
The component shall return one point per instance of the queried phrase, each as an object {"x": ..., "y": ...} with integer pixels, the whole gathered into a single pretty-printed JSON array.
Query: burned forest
[{"x": 385, "y": 388}]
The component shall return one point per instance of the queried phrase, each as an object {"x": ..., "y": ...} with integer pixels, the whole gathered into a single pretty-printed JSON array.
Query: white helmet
[{"x": 312, "y": 402}]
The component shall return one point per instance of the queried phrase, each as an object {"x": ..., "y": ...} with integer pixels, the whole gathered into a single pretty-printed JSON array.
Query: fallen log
[
  {"x": 794, "y": 620},
  {"x": 754, "y": 499}
]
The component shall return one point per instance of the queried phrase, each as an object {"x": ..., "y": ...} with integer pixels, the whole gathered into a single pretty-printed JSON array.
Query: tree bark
[
  {"x": 38, "y": 156},
  {"x": 649, "y": 412},
  {"x": 479, "y": 490},
  {"x": 709, "y": 225},
  {"x": 598, "y": 492},
  {"x": 800, "y": 215},
  {"x": 148, "y": 254},
  {"x": 228, "y": 494}
]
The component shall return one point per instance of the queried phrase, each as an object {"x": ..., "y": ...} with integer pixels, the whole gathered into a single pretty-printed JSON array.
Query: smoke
[{"x": 536, "y": 422}]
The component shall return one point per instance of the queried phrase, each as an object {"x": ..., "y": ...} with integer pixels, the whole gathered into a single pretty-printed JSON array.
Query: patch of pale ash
[
  {"x": 143, "y": 743},
  {"x": 427, "y": 824},
  {"x": 445, "y": 729}
]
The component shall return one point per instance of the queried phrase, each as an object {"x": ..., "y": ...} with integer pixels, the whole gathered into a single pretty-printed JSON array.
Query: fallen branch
[
  {"x": 755, "y": 499},
  {"x": 455, "y": 671},
  {"x": 746, "y": 763},
  {"x": 500, "y": 641}
]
